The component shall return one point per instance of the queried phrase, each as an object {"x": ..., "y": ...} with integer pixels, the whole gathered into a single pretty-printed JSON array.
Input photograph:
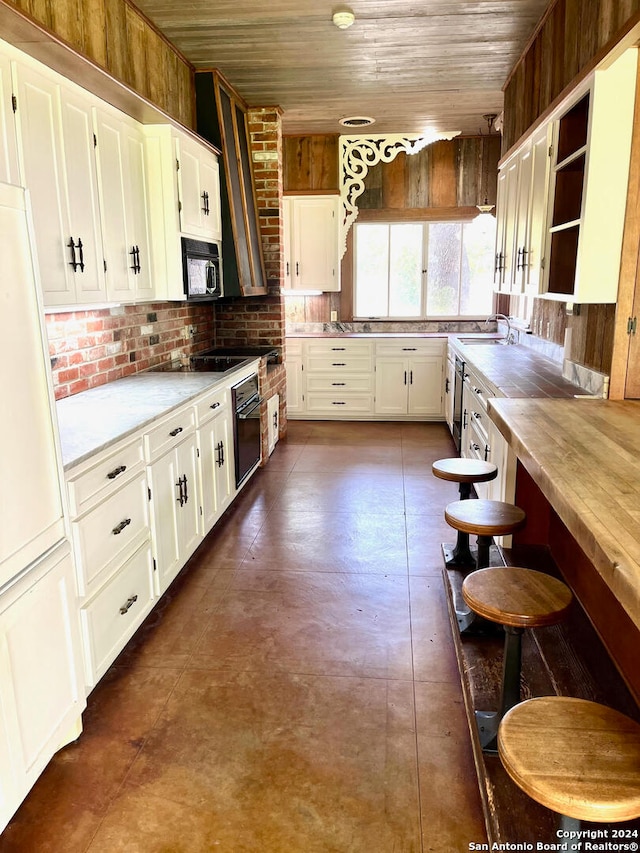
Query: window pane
[
  {"x": 443, "y": 269},
  {"x": 405, "y": 270},
  {"x": 372, "y": 266},
  {"x": 476, "y": 286}
]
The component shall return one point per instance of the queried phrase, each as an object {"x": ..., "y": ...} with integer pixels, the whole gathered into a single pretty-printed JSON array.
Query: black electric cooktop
[{"x": 216, "y": 360}]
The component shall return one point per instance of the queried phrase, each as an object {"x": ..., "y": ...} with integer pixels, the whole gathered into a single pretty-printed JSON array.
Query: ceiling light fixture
[{"x": 343, "y": 19}]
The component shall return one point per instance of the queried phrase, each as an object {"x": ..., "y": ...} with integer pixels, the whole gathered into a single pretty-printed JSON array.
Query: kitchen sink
[{"x": 472, "y": 342}]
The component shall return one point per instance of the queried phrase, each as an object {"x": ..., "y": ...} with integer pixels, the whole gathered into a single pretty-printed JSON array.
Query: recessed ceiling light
[
  {"x": 356, "y": 121},
  {"x": 343, "y": 19}
]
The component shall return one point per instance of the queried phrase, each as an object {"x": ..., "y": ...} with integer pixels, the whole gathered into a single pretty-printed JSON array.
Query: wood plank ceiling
[{"x": 410, "y": 64}]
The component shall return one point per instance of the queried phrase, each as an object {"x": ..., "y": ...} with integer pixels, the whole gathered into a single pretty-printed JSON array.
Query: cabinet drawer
[
  {"x": 100, "y": 480},
  {"x": 339, "y": 347},
  {"x": 169, "y": 433},
  {"x": 293, "y": 347},
  {"x": 339, "y": 363},
  {"x": 406, "y": 349},
  {"x": 334, "y": 404},
  {"x": 477, "y": 445},
  {"x": 480, "y": 421},
  {"x": 211, "y": 405},
  {"x": 340, "y": 384},
  {"x": 108, "y": 529},
  {"x": 116, "y": 612}
]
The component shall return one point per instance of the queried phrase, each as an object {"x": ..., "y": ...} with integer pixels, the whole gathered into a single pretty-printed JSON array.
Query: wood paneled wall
[
  {"x": 117, "y": 37},
  {"x": 459, "y": 173},
  {"x": 570, "y": 38},
  {"x": 311, "y": 164},
  {"x": 443, "y": 179}
]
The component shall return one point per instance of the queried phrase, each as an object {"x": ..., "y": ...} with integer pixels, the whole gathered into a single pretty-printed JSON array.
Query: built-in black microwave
[{"x": 201, "y": 269}]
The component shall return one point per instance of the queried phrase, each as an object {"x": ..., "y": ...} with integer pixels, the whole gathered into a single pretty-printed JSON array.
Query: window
[{"x": 417, "y": 270}]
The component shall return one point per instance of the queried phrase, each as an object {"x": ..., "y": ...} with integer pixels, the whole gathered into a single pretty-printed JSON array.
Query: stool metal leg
[
  {"x": 461, "y": 556},
  {"x": 570, "y": 829},
  {"x": 488, "y": 722},
  {"x": 484, "y": 551}
]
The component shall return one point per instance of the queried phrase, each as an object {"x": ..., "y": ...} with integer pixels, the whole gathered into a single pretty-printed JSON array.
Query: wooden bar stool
[
  {"x": 575, "y": 757},
  {"x": 465, "y": 472},
  {"x": 485, "y": 519},
  {"x": 517, "y": 599}
]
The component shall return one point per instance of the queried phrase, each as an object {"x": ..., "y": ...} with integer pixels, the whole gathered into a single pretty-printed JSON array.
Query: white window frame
[{"x": 423, "y": 317}]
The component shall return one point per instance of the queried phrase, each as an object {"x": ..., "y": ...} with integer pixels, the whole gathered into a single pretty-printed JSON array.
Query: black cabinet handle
[
  {"x": 341, "y": 384},
  {"x": 205, "y": 203},
  {"x": 446, "y": 385},
  {"x": 405, "y": 377},
  {"x": 138, "y": 258},
  {"x": 339, "y": 364},
  {"x": 176, "y": 431},
  {"x": 126, "y": 607},
  {"x": 73, "y": 262},
  {"x": 120, "y": 527},
  {"x": 134, "y": 258},
  {"x": 214, "y": 405},
  {"x": 411, "y": 377},
  {"x": 186, "y": 491},
  {"x": 180, "y": 497},
  {"x": 464, "y": 419},
  {"x": 409, "y": 349},
  {"x": 297, "y": 268},
  {"x": 336, "y": 403},
  {"x": 220, "y": 454},
  {"x": 338, "y": 349},
  {"x": 287, "y": 268},
  {"x": 116, "y": 472}
]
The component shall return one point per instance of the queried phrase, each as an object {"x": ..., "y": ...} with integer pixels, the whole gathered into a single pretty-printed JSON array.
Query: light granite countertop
[{"x": 92, "y": 420}]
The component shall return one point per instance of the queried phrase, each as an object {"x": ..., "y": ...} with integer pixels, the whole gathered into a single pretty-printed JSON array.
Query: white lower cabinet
[
  {"x": 215, "y": 457},
  {"x": 114, "y": 614},
  {"x": 41, "y": 674},
  {"x": 175, "y": 509},
  {"x": 374, "y": 378},
  {"x": 409, "y": 386}
]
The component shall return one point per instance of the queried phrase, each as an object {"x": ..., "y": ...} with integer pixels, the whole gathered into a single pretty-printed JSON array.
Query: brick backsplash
[{"x": 96, "y": 346}]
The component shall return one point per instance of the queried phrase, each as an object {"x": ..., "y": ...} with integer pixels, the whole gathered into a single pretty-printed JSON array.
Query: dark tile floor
[{"x": 296, "y": 689}]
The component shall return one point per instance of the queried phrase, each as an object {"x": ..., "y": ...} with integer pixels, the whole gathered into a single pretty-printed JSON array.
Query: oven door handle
[{"x": 248, "y": 412}]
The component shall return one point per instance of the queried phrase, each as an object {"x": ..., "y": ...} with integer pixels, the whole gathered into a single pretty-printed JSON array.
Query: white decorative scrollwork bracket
[{"x": 359, "y": 153}]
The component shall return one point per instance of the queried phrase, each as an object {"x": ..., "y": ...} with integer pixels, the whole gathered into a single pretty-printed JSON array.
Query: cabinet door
[
  {"x": 425, "y": 385},
  {"x": 112, "y": 179},
  {"x": 314, "y": 240},
  {"x": 295, "y": 393},
  {"x": 30, "y": 499},
  {"x": 189, "y": 513},
  {"x": 137, "y": 206},
  {"x": 510, "y": 200},
  {"x": 199, "y": 191},
  {"x": 216, "y": 462},
  {"x": 521, "y": 241},
  {"x": 537, "y": 216},
  {"x": 42, "y": 172},
  {"x": 123, "y": 204},
  {"x": 392, "y": 383},
  {"x": 40, "y": 669},
  {"x": 450, "y": 382},
  {"x": 9, "y": 172},
  {"x": 82, "y": 194},
  {"x": 165, "y": 492}
]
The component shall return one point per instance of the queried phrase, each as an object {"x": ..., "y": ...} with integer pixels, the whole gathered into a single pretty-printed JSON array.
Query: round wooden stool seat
[
  {"x": 485, "y": 518},
  {"x": 458, "y": 470},
  {"x": 521, "y": 598},
  {"x": 578, "y": 758}
]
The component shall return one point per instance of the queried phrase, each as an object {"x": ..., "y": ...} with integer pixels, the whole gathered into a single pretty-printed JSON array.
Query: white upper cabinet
[
  {"x": 124, "y": 206},
  {"x": 57, "y": 165},
  {"x": 9, "y": 171},
  {"x": 312, "y": 259},
  {"x": 198, "y": 190},
  {"x": 589, "y": 180}
]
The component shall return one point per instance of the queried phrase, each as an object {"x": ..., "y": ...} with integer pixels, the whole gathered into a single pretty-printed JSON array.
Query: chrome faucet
[{"x": 510, "y": 338}]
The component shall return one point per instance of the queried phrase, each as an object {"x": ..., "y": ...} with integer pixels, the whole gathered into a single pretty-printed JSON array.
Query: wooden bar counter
[{"x": 579, "y": 482}]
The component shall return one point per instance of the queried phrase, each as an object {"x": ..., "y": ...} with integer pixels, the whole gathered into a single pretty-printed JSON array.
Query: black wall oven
[
  {"x": 458, "y": 386},
  {"x": 246, "y": 403}
]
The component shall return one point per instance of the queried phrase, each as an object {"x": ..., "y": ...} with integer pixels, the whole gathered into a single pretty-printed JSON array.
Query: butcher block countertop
[{"x": 584, "y": 456}]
